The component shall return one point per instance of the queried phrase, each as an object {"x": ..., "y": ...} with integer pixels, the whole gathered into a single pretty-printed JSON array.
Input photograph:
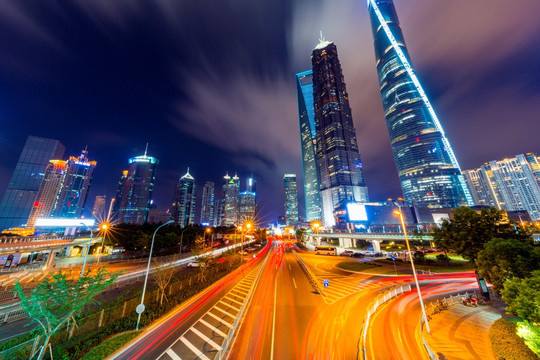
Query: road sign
[
  {"x": 139, "y": 309},
  {"x": 326, "y": 283},
  {"x": 393, "y": 258}
]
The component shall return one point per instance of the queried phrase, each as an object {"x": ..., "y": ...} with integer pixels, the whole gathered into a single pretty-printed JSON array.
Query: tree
[
  {"x": 504, "y": 259},
  {"x": 301, "y": 235},
  {"x": 56, "y": 299},
  {"x": 162, "y": 275},
  {"x": 468, "y": 231},
  {"x": 202, "y": 256},
  {"x": 522, "y": 297}
]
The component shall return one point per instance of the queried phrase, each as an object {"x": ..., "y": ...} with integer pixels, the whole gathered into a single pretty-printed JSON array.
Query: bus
[{"x": 325, "y": 250}]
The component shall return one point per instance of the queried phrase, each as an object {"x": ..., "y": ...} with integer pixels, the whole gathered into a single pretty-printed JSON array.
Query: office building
[
  {"x": 291, "y": 199},
  {"x": 122, "y": 192},
  {"x": 26, "y": 179},
  {"x": 231, "y": 190},
  {"x": 98, "y": 211},
  {"x": 157, "y": 216},
  {"x": 428, "y": 170},
  {"x": 207, "y": 204},
  {"x": 218, "y": 212},
  {"x": 248, "y": 201},
  {"x": 135, "y": 188},
  {"x": 509, "y": 184},
  {"x": 306, "y": 113},
  {"x": 339, "y": 167},
  {"x": 185, "y": 195}
]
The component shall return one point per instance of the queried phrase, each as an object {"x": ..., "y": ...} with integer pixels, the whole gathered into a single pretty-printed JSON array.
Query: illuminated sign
[
  {"x": 59, "y": 222},
  {"x": 356, "y": 212}
]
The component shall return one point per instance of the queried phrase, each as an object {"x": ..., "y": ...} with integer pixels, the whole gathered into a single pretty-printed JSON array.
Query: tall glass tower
[
  {"x": 306, "y": 113},
  {"x": 207, "y": 204},
  {"x": 341, "y": 177},
  {"x": 183, "y": 207},
  {"x": 24, "y": 185},
  {"x": 291, "y": 199},
  {"x": 428, "y": 169}
]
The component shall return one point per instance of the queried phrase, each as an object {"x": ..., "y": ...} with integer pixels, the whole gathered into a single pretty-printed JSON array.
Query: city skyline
[{"x": 459, "y": 84}]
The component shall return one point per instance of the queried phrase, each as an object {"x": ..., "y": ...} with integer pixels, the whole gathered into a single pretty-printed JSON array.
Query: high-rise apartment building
[
  {"x": 291, "y": 199},
  {"x": 24, "y": 185},
  {"x": 98, "y": 211},
  {"x": 185, "y": 195},
  {"x": 218, "y": 212},
  {"x": 509, "y": 184},
  {"x": 428, "y": 169},
  {"x": 248, "y": 201},
  {"x": 134, "y": 191},
  {"x": 341, "y": 177},
  {"x": 230, "y": 202},
  {"x": 207, "y": 204},
  {"x": 308, "y": 134}
]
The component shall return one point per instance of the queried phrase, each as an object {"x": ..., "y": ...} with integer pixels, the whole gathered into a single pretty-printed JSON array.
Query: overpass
[
  {"x": 347, "y": 239},
  {"x": 47, "y": 244}
]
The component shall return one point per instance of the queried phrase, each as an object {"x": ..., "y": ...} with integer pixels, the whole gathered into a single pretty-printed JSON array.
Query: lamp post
[
  {"x": 87, "y": 250},
  {"x": 402, "y": 220},
  {"x": 316, "y": 225},
  {"x": 104, "y": 228},
  {"x": 209, "y": 230},
  {"x": 140, "y": 308},
  {"x": 181, "y": 237}
]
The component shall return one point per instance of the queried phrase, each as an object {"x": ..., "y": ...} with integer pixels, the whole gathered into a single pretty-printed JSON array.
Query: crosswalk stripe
[
  {"x": 194, "y": 349},
  {"x": 206, "y": 338},
  {"x": 231, "y": 299},
  {"x": 219, "y": 332},
  {"x": 223, "y": 311},
  {"x": 226, "y": 323},
  {"x": 173, "y": 355},
  {"x": 229, "y": 305}
]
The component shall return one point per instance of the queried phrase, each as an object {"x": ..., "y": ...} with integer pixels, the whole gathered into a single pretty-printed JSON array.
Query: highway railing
[
  {"x": 311, "y": 277},
  {"x": 374, "y": 305}
]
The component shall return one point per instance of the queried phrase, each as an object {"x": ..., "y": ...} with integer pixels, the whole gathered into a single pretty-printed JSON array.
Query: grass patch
[
  {"x": 357, "y": 266},
  {"x": 506, "y": 344},
  {"x": 435, "y": 267},
  {"x": 110, "y": 345}
]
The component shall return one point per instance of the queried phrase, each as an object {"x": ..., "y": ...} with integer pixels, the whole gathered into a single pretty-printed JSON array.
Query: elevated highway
[{"x": 347, "y": 239}]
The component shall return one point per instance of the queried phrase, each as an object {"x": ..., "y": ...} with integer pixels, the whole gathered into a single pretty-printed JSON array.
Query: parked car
[
  {"x": 358, "y": 254},
  {"x": 242, "y": 252},
  {"x": 347, "y": 253}
]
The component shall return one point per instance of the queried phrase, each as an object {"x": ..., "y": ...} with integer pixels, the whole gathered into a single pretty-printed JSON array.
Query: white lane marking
[
  {"x": 229, "y": 305},
  {"x": 206, "y": 338},
  {"x": 274, "y": 320},
  {"x": 173, "y": 355},
  {"x": 217, "y": 331},
  {"x": 243, "y": 286},
  {"x": 240, "y": 292},
  {"x": 294, "y": 282},
  {"x": 200, "y": 355},
  {"x": 290, "y": 267},
  {"x": 228, "y": 298},
  {"x": 220, "y": 319},
  {"x": 223, "y": 311}
]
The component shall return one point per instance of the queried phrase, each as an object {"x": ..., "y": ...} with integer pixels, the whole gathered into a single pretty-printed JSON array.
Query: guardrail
[
  {"x": 311, "y": 277},
  {"x": 224, "y": 352},
  {"x": 374, "y": 305}
]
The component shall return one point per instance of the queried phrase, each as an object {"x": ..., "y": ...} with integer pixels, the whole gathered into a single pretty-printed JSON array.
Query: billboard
[
  {"x": 356, "y": 212},
  {"x": 60, "y": 222}
]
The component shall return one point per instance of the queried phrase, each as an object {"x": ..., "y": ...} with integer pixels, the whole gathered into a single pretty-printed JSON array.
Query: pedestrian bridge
[
  {"x": 25, "y": 245},
  {"x": 347, "y": 240}
]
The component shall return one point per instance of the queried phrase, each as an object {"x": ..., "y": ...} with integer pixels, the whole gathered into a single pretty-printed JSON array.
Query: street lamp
[
  {"x": 402, "y": 220},
  {"x": 181, "y": 237},
  {"x": 247, "y": 226},
  {"x": 104, "y": 229},
  {"x": 209, "y": 230},
  {"x": 147, "y": 272},
  {"x": 87, "y": 250},
  {"x": 316, "y": 225}
]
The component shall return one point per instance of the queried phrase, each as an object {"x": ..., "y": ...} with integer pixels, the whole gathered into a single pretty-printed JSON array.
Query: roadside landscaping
[
  {"x": 110, "y": 345},
  {"x": 358, "y": 266},
  {"x": 507, "y": 345}
]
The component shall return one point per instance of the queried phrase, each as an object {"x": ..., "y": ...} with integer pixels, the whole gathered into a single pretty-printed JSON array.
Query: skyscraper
[
  {"x": 341, "y": 176},
  {"x": 291, "y": 199},
  {"x": 231, "y": 189},
  {"x": 306, "y": 113},
  {"x": 248, "y": 201},
  {"x": 207, "y": 204},
  {"x": 24, "y": 185},
  {"x": 137, "y": 188},
  {"x": 122, "y": 192},
  {"x": 509, "y": 184},
  {"x": 75, "y": 186},
  {"x": 428, "y": 169},
  {"x": 185, "y": 195},
  {"x": 98, "y": 211}
]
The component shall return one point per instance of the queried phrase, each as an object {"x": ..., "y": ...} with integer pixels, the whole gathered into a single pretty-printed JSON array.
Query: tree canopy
[{"x": 522, "y": 297}]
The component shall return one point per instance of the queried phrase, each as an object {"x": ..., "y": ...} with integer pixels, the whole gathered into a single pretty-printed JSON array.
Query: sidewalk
[{"x": 461, "y": 332}]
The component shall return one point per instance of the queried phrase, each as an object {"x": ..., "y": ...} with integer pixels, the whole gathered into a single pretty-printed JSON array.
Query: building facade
[
  {"x": 207, "y": 204},
  {"x": 509, "y": 184},
  {"x": 98, "y": 211},
  {"x": 137, "y": 186},
  {"x": 308, "y": 134},
  {"x": 230, "y": 202},
  {"x": 339, "y": 166},
  {"x": 185, "y": 195},
  {"x": 25, "y": 182},
  {"x": 291, "y": 199},
  {"x": 428, "y": 170},
  {"x": 248, "y": 202}
]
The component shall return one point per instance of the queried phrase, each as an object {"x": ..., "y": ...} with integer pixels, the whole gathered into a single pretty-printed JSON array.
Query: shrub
[
  {"x": 110, "y": 345},
  {"x": 506, "y": 344}
]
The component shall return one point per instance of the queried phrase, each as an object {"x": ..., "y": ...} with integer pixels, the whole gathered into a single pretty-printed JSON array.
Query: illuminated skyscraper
[
  {"x": 24, "y": 185},
  {"x": 428, "y": 169},
  {"x": 98, "y": 211},
  {"x": 207, "y": 204},
  {"x": 137, "y": 188},
  {"x": 230, "y": 202},
  {"x": 291, "y": 199},
  {"x": 341, "y": 177},
  {"x": 185, "y": 195},
  {"x": 248, "y": 201},
  {"x": 306, "y": 112},
  {"x": 122, "y": 192}
]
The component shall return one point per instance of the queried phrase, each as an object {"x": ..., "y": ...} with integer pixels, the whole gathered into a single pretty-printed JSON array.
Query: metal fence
[
  {"x": 374, "y": 305},
  {"x": 311, "y": 277}
]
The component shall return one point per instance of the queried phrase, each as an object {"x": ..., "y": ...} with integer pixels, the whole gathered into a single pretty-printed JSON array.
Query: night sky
[{"x": 210, "y": 84}]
